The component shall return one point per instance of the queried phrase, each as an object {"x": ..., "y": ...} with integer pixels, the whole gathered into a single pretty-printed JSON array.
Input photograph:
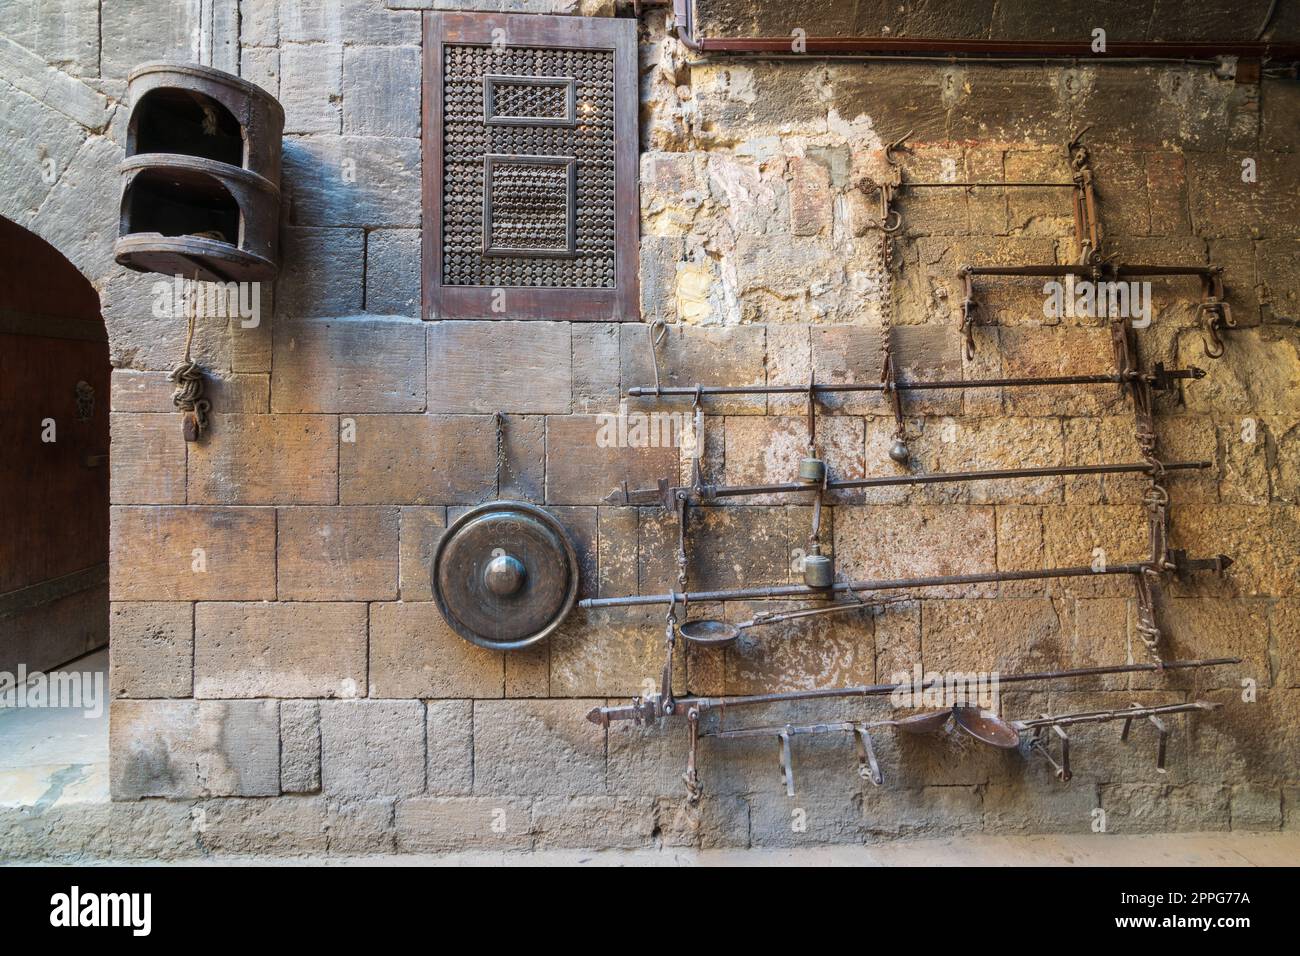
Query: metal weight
[
  {"x": 812, "y": 471},
  {"x": 818, "y": 571},
  {"x": 505, "y": 575}
]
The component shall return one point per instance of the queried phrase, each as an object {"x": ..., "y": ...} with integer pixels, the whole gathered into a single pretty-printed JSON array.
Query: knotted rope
[{"x": 190, "y": 382}]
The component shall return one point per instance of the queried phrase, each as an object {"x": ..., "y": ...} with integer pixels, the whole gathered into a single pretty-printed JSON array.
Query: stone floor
[
  {"x": 51, "y": 756},
  {"x": 1178, "y": 849}
]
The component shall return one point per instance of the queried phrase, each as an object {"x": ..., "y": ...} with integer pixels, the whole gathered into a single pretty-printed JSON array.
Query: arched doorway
[{"x": 54, "y": 493}]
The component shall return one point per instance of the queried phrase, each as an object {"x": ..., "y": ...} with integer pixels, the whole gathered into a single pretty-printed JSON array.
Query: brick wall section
[{"x": 347, "y": 434}]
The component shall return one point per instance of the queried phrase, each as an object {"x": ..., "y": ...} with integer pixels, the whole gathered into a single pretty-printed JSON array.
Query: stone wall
[{"x": 303, "y": 694}]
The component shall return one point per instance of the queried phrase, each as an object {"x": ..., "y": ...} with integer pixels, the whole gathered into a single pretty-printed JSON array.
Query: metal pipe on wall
[{"x": 954, "y": 47}]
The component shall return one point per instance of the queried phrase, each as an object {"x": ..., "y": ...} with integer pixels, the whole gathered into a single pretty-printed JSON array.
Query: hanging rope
[{"x": 188, "y": 396}]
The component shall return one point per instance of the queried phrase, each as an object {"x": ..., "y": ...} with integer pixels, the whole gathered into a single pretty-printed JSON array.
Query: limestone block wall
[{"x": 301, "y": 692}]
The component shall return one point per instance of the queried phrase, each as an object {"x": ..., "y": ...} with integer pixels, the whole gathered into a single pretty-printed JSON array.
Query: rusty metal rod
[
  {"x": 730, "y": 491},
  {"x": 1101, "y": 716},
  {"x": 1105, "y": 378},
  {"x": 1063, "y": 720},
  {"x": 914, "y": 184},
  {"x": 639, "y": 710},
  {"x": 800, "y": 590},
  {"x": 1086, "y": 271},
  {"x": 884, "y": 690}
]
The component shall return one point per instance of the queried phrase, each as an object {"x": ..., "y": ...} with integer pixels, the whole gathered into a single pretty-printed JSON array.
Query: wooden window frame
[{"x": 621, "y": 303}]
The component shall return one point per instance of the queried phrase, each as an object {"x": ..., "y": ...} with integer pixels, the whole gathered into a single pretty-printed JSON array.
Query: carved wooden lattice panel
[{"x": 532, "y": 137}]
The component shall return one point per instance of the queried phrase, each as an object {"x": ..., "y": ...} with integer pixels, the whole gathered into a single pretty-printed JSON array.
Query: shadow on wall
[{"x": 54, "y": 404}]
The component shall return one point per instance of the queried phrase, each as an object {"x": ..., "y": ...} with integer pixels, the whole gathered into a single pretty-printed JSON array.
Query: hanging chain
[
  {"x": 1156, "y": 497},
  {"x": 499, "y": 419},
  {"x": 891, "y": 221}
]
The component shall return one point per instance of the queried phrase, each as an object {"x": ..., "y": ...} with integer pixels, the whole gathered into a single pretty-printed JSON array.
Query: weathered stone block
[
  {"x": 890, "y": 543},
  {"x": 1255, "y": 376},
  {"x": 1030, "y": 352},
  {"x": 595, "y": 367},
  {"x": 767, "y": 450},
  {"x": 372, "y": 748},
  {"x": 124, "y": 46},
  {"x": 393, "y": 272},
  {"x": 500, "y": 366},
  {"x": 1005, "y": 105},
  {"x": 1256, "y": 808},
  {"x": 448, "y": 824},
  {"x": 523, "y": 453},
  {"x": 614, "y": 652},
  {"x": 1155, "y": 808},
  {"x": 1048, "y": 807},
  {"x": 647, "y": 760},
  {"x": 688, "y": 356},
  {"x": 148, "y": 459},
  {"x": 285, "y": 826},
  {"x": 261, "y": 66},
  {"x": 1284, "y": 624},
  {"x": 153, "y": 649},
  {"x": 1228, "y": 746},
  {"x": 659, "y": 259},
  {"x": 1223, "y": 205},
  {"x": 587, "y": 459},
  {"x": 322, "y": 271},
  {"x": 422, "y": 528},
  {"x": 188, "y": 554},
  {"x": 266, "y": 459},
  {"x": 589, "y": 821},
  {"x": 361, "y": 827},
  {"x": 413, "y": 653},
  {"x": 537, "y": 747},
  {"x": 286, "y": 650},
  {"x": 347, "y": 553},
  {"x": 1072, "y": 535},
  {"x": 65, "y": 33},
  {"x": 810, "y": 196},
  {"x": 1207, "y": 627},
  {"x": 381, "y": 90},
  {"x": 419, "y": 459},
  {"x": 449, "y": 740},
  {"x": 300, "y": 746},
  {"x": 1005, "y": 634},
  {"x": 311, "y": 87},
  {"x": 1261, "y": 540},
  {"x": 351, "y": 365},
  {"x": 617, "y": 567},
  {"x": 189, "y": 748},
  {"x": 830, "y": 651},
  {"x": 359, "y": 181},
  {"x": 1166, "y": 181},
  {"x": 735, "y": 547},
  {"x": 39, "y": 132}
]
